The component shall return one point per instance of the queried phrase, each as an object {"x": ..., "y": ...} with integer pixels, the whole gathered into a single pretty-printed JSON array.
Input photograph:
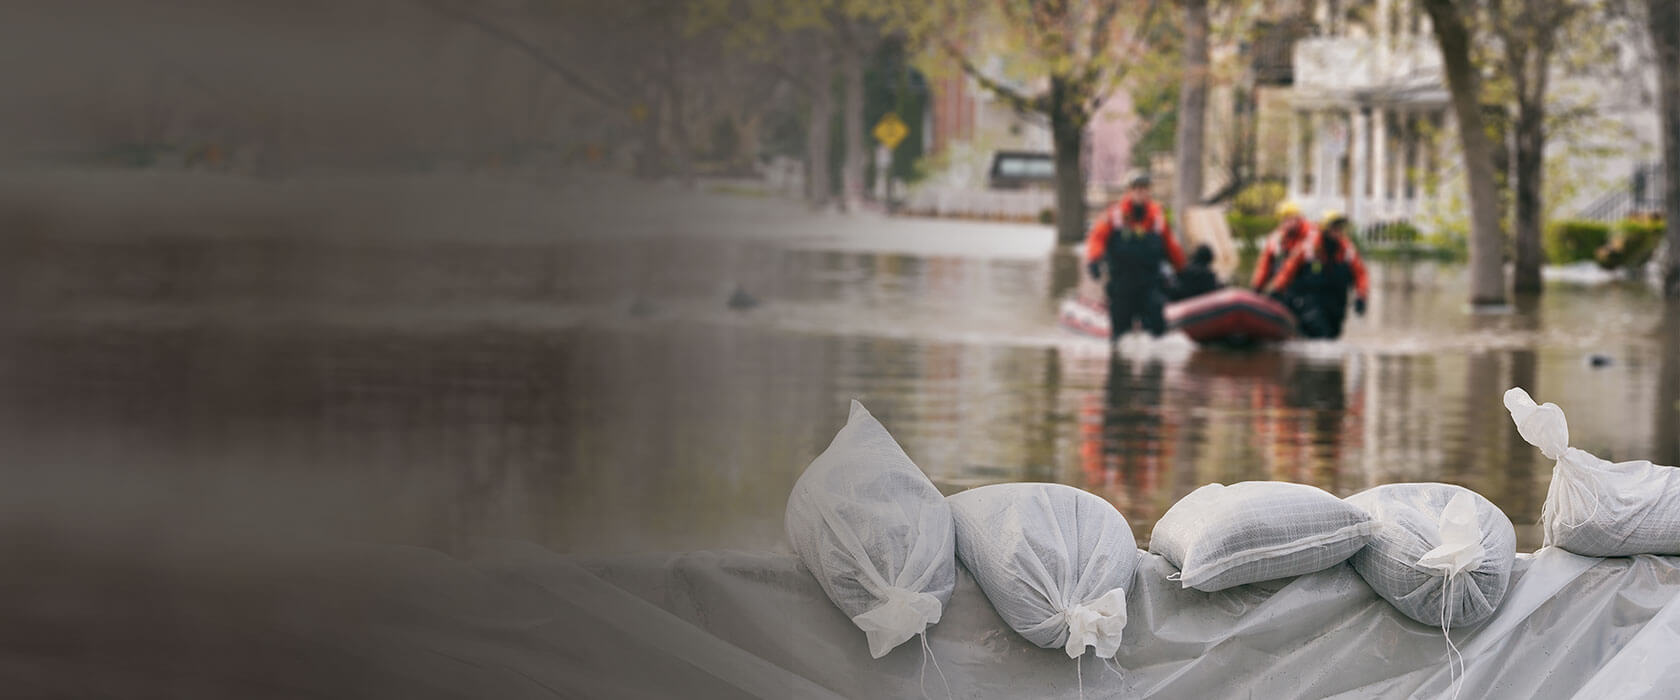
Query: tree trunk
[
  {"x": 650, "y": 156},
  {"x": 1192, "y": 109},
  {"x": 817, "y": 188},
  {"x": 746, "y": 127},
  {"x": 1664, "y": 22},
  {"x": 1530, "y": 176},
  {"x": 682, "y": 155},
  {"x": 857, "y": 151},
  {"x": 1487, "y": 264},
  {"x": 1067, "y": 135},
  {"x": 1668, "y": 386}
]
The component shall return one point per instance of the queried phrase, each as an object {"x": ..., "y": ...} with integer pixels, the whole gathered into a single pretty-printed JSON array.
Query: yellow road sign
[{"x": 890, "y": 131}]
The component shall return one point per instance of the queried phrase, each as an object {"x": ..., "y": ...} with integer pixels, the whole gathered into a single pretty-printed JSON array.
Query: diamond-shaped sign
[{"x": 890, "y": 130}]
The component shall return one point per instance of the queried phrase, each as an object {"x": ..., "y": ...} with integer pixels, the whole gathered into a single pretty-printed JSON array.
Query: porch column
[
  {"x": 1379, "y": 162},
  {"x": 1321, "y": 187},
  {"x": 1295, "y": 119},
  {"x": 1358, "y": 161}
]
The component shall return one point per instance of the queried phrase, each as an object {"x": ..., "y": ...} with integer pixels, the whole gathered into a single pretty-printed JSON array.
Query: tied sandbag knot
[
  {"x": 904, "y": 614},
  {"x": 1097, "y": 623},
  {"x": 1574, "y": 498},
  {"x": 1461, "y": 539},
  {"x": 1460, "y": 551}
]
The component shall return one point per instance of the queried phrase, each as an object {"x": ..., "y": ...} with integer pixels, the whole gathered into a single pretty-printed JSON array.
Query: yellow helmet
[
  {"x": 1329, "y": 216},
  {"x": 1288, "y": 208}
]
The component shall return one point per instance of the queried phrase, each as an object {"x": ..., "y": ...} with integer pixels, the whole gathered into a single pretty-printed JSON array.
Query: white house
[{"x": 1371, "y": 123}]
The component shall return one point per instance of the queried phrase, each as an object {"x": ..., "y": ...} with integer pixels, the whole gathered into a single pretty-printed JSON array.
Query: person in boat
[
  {"x": 1293, "y": 230},
  {"x": 1132, "y": 239},
  {"x": 1198, "y": 277},
  {"x": 1316, "y": 279}
]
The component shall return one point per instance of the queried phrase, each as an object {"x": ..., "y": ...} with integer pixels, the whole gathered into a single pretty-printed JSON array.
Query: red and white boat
[{"x": 1230, "y": 316}]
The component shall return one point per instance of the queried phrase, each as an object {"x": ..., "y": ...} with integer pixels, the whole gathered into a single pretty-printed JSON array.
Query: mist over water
[{"x": 596, "y": 393}]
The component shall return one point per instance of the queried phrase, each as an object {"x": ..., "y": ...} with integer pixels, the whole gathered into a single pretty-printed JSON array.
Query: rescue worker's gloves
[
  {"x": 1359, "y": 306},
  {"x": 1095, "y": 268}
]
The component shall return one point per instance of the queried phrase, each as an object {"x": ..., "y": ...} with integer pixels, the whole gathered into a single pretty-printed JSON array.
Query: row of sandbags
[{"x": 1056, "y": 561}]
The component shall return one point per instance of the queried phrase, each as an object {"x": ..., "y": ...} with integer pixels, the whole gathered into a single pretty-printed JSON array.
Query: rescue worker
[
  {"x": 1293, "y": 230},
  {"x": 1132, "y": 239},
  {"x": 1198, "y": 277},
  {"x": 1315, "y": 280}
]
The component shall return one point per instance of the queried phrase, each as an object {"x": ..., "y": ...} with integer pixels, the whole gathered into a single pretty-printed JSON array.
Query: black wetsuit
[
  {"x": 1319, "y": 293},
  {"x": 1134, "y": 285}
]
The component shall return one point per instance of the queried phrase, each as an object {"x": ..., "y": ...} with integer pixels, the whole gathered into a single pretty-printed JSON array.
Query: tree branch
[
  {"x": 530, "y": 49},
  {"x": 1099, "y": 28},
  {"x": 1004, "y": 92}
]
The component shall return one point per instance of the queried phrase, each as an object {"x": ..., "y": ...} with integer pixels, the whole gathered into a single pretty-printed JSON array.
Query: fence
[
  {"x": 1643, "y": 193},
  {"x": 1007, "y": 205}
]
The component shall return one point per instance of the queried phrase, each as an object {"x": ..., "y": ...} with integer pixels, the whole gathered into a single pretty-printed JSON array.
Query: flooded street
[{"x": 596, "y": 397}]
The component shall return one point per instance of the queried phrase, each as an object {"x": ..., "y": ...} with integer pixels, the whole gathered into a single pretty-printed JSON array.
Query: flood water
[{"x": 567, "y": 394}]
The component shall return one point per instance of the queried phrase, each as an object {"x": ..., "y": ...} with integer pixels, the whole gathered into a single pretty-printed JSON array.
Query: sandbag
[
  {"x": 1595, "y": 508},
  {"x": 1442, "y": 554},
  {"x": 1223, "y": 536},
  {"x": 875, "y": 532},
  {"x": 1055, "y": 562}
]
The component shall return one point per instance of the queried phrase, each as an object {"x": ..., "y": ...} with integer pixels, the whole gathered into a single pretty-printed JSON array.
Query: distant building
[
  {"x": 1367, "y": 101},
  {"x": 1368, "y": 124}
]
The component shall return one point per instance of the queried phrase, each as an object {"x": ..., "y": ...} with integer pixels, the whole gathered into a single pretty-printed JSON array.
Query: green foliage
[
  {"x": 1260, "y": 198},
  {"x": 1570, "y": 241},
  {"x": 1640, "y": 237},
  {"x": 1633, "y": 244},
  {"x": 1155, "y": 104},
  {"x": 1451, "y": 243},
  {"x": 1404, "y": 231},
  {"x": 1249, "y": 229}
]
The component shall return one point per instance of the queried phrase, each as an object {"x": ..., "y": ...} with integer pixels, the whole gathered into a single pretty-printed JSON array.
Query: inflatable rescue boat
[{"x": 1230, "y": 316}]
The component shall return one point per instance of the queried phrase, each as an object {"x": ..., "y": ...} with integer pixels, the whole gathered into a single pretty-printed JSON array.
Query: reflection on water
[{"x": 395, "y": 396}]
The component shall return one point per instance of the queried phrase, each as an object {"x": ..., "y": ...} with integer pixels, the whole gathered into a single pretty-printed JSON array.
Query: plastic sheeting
[
  {"x": 513, "y": 621},
  {"x": 757, "y": 625}
]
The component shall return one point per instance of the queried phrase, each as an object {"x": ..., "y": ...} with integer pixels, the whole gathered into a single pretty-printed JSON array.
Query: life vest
[
  {"x": 1280, "y": 245},
  {"x": 1324, "y": 275},
  {"x": 1134, "y": 257}
]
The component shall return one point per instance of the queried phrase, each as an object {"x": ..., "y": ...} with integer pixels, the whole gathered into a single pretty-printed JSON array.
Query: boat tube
[{"x": 1230, "y": 316}]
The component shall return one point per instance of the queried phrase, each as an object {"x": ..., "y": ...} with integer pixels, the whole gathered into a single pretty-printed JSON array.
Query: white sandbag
[
  {"x": 1223, "y": 536},
  {"x": 875, "y": 532},
  {"x": 1442, "y": 554},
  {"x": 1595, "y": 508},
  {"x": 1055, "y": 562}
]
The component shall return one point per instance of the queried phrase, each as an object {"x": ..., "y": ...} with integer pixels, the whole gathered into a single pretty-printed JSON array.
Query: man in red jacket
[
  {"x": 1132, "y": 238},
  {"x": 1316, "y": 277},
  {"x": 1293, "y": 230}
]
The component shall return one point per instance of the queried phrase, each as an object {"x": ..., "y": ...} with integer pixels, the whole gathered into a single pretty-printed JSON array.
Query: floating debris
[{"x": 740, "y": 300}]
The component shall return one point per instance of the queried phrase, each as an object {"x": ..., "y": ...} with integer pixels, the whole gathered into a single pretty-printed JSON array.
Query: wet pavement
[{"x": 595, "y": 396}]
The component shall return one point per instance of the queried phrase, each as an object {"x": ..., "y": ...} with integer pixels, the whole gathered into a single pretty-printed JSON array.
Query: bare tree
[
  {"x": 1074, "y": 42},
  {"x": 1528, "y": 33},
  {"x": 645, "y": 86},
  {"x": 1192, "y": 108},
  {"x": 1487, "y": 265},
  {"x": 856, "y": 39},
  {"x": 1664, "y": 23},
  {"x": 817, "y": 187}
]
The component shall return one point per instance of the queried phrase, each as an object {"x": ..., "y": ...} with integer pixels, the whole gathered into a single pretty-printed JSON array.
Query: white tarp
[
  {"x": 741, "y": 624},
  {"x": 513, "y": 621}
]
